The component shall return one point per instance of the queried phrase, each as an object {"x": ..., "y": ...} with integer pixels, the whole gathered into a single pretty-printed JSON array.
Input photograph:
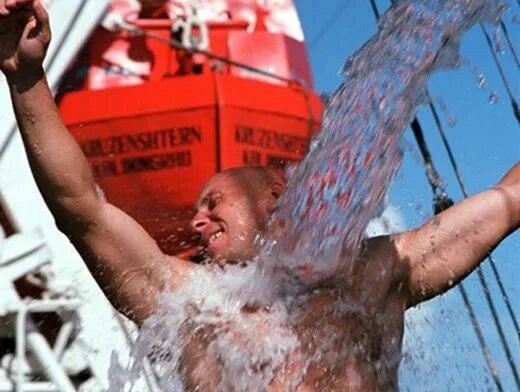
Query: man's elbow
[
  {"x": 509, "y": 185},
  {"x": 512, "y": 177},
  {"x": 510, "y": 193}
]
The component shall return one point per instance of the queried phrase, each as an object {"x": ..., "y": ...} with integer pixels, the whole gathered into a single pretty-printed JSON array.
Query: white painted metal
[
  {"x": 101, "y": 332},
  {"x": 37, "y": 344},
  {"x": 62, "y": 339},
  {"x": 7, "y": 386},
  {"x": 22, "y": 255}
]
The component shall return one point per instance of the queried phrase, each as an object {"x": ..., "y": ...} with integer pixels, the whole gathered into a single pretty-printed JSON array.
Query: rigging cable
[
  {"x": 375, "y": 10},
  {"x": 177, "y": 45},
  {"x": 510, "y": 43},
  {"x": 462, "y": 187},
  {"x": 439, "y": 206},
  {"x": 465, "y": 194},
  {"x": 440, "y": 199},
  {"x": 480, "y": 274},
  {"x": 328, "y": 24},
  {"x": 514, "y": 104}
]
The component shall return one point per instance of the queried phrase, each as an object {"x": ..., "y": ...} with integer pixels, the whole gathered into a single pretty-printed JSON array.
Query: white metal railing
[
  {"x": 72, "y": 22},
  {"x": 24, "y": 254}
]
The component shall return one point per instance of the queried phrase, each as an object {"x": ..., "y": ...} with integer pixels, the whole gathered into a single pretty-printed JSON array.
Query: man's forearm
[
  {"x": 57, "y": 162},
  {"x": 448, "y": 247}
]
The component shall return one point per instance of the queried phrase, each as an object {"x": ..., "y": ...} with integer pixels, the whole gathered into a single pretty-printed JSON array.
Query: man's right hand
[{"x": 24, "y": 37}]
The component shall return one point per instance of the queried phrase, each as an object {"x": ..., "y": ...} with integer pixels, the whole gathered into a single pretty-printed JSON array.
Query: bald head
[
  {"x": 233, "y": 208},
  {"x": 253, "y": 179},
  {"x": 255, "y": 176}
]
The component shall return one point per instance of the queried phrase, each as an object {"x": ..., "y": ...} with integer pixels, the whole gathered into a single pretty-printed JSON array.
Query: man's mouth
[{"x": 215, "y": 236}]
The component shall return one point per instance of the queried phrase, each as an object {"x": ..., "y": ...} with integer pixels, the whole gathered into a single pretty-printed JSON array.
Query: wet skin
[
  {"x": 364, "y": 338},
  {"x": 366, "y": 347}
]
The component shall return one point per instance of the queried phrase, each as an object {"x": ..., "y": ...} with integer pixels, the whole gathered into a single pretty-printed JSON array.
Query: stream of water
[{"x": 321, "y": 218}]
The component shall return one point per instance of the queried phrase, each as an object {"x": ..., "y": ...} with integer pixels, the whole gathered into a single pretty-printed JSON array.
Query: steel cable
[
  {"x": 177, "y": 45},
  {"x": 480, "y": 274},
  {"x": 514, "y": 103},
  {"x": 328, "y": 24},
  {"x": 485, "y": 350},
  {"x": 510, "y": 43},
  {"x": 458, "y": 176}
]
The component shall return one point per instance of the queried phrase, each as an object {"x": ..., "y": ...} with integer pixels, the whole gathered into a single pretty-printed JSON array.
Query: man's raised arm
[
  {"x": 123, "y": 258},
  {"x": 451, "y": 245}
]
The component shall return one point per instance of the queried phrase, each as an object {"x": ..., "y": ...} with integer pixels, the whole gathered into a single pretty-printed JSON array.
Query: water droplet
[
  {"x": 493, "y": 98},
  {"x": 481, "y": 79},
  {"x": 499, "y": 44},
  {"x": 477, "y": 74},
  {"x": 452, "y": 121}
]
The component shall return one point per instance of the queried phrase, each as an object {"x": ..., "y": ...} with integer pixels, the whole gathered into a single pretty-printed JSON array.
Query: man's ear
[{"x": 274, "y": 191}]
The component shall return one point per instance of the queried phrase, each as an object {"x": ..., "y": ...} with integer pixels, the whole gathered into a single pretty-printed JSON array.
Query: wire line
[
  {"x": 462, "y": 186},
  {"x": 338, "y": 12},
  {"x": 514, "y": 104},
  {"x": 510, "y": 43},
  {"x": 483, "y": 345},
  {"x": 489, "y": 300}
]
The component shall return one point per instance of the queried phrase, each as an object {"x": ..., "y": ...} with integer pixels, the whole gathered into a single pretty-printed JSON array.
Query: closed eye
[
  {"x": 212, "y": 203},
  {"x": 211, "y": 200}
]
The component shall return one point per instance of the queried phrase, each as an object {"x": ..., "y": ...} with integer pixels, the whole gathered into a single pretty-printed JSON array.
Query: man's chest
[{"x": 321, "y": 341}]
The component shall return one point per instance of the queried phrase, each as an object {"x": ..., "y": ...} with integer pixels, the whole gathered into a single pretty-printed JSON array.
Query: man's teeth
[{"x": 214, "y": 236}]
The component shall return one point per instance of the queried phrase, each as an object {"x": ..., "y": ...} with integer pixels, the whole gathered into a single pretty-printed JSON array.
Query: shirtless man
[{"x": 129, "y": 266}]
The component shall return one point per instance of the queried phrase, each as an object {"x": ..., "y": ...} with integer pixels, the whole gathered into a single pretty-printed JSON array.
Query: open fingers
[
  {"x": 3, "y": 8},
  {"x": 42, "y": 17},
  {"x": 14, "y": 4},
  {"x": 7, "y": 6},
  {"x": 14, "y": 19}
]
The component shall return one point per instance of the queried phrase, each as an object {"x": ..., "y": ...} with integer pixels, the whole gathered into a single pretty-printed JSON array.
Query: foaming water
[{"x": 239, "y": 325}]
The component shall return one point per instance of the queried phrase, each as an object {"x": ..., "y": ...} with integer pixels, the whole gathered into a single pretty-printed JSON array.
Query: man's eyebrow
[
  {"x": 204, "y": 200},
  {"x": 201, "y": 201}
]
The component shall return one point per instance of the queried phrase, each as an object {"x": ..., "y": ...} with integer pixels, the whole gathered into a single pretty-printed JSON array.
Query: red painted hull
[
  {"x": 153, "y": 143},
  {"x": 152, "y": 148}
]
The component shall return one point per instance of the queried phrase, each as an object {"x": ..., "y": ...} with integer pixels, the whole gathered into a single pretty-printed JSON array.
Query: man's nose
[{"x": 199, "y": 222}]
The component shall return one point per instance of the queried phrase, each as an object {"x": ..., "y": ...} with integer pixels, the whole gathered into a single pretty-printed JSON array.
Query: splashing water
[
  {"x": 451, "y": 119},
  {"x": 500, "y": 47},
  {"x": 480, "y": 78},
  {"x": 337, "y": 189},
  {"x": 493, "y": 98},
  {"x": 321, "y": 218}
]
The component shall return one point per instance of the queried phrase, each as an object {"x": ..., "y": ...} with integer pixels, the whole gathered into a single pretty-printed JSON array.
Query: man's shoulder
[
  {"x": 384, "y": 248},
  {"x": 378, "y": 269}
]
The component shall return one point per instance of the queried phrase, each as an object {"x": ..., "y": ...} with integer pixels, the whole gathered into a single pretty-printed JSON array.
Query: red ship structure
[{"x": 165, "y": 95}]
